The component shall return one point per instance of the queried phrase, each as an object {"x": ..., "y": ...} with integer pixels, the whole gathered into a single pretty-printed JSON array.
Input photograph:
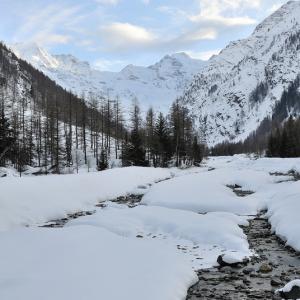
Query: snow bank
[
  {"x": 277, "y": 194},
  {"x": 203, "y": 192},
  {"x": 231, "y": 258},
  {"x": 288, "y": 287},
  {"x": 283, "y": 212},
  {"x": 193, "y": 232},
  {"x": 25, "y": 201},
  {"x": 85, "y": 262},
  {"x": 244, "y": 162}
]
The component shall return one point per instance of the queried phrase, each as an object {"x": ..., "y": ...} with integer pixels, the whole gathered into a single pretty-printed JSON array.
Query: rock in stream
[{"x": 273, "y": 267}]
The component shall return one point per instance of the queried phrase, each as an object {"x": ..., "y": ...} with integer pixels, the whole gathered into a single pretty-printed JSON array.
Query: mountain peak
[
  {"x": 70, "y": 63},
  {"x": 239, "y": 88},
  {"x": 180, "y": 55},
  {"x": 283, "y": 18},
  {"x": 35, "y": 54},
  {"x": 157, "y": 85}
]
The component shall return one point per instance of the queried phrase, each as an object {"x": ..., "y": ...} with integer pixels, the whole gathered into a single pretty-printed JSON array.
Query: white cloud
[
  {"x": 178, "y": 15},
  {"x": 123, "y": 37},
  {"x": 99, "y": 31},
  {"x": 51, "y": 39},
  {"x": 200, "y": 34},
  {"x": 226, "y": 21},
  {"x": 216, "y": 7},
  {"x": 225, "y": 12},
  {"x": 120, "y": 36},
  {"x": 35, "y": 28}
]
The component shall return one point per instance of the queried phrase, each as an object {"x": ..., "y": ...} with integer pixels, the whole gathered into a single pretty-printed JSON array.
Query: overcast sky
[{"x": 113, "y": 33}]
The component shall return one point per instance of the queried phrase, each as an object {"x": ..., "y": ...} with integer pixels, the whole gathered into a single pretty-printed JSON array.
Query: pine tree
[
  {"x": 137, "y": 151},
  {"x": 134, "y": 152},
  {"x": 197, "y": 152},
  {"x": 285, "y": 142},
  {"x": 176, "y": 125},
  {"x": 7, "y": 139},
  {"x": 274, "y": 142},
  {"x": 283, "y": 150},
  {"x": 291, "y": 137},
  {"x": 102, "y": 163},
  {"x": 126, "y": 152},
  {"x": 150, "y": 124},
  {"x": 162, "y": 142}
]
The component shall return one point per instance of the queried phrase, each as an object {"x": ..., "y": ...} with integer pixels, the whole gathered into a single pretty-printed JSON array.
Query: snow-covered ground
[
  {"x": 145, "y": 252},
  {"x": 85, "y": 262},
  {"x": 276, "y": 193},
  {"x": 199, "y": 237},
  {"x": 32, "y": 200},
  {"x": 203, "y": 192},
  {"x": 283, "y": 212}
]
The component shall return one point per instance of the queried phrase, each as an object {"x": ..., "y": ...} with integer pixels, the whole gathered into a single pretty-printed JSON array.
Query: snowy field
[
  {"x": 146, "y": 252},
  {"x": 200, "y": 238},
  {"x": 85, "y": 262},
  {"x": 31, "y": 200}
]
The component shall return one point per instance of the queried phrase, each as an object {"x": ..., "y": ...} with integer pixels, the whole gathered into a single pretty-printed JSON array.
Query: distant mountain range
[
  {"x": 156, "y": 85},
  {"x": 229, "y": 96}
]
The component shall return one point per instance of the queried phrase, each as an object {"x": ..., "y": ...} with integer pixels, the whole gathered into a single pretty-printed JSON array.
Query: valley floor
[
  {"x": 62, "y": 236},
  {"x": 273, "y": 266}
]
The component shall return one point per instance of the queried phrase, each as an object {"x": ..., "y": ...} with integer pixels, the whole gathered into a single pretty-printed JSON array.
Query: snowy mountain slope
[
  {"x": 27, "y": 99},
  {"x": 156, "y": 85},
  {"x": 239, "y": 87}
]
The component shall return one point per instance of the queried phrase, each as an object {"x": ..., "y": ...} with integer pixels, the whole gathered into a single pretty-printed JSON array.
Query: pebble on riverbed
[
  {"x": 248, "y": 282},
  {"x": 265, "y": 268}
]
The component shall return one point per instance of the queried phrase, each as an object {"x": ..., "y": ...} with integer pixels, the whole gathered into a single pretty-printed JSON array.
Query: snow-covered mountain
[
  {"x": 239, "y": 87},
  {"x": 230, "y": 95},
  {"x": 156, "y": 85}
]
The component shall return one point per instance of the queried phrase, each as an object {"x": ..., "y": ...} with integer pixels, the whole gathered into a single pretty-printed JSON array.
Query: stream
[{"x": 272, "y": 266}]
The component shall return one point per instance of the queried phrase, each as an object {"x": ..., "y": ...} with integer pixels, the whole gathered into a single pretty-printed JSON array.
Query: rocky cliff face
[{"x": 239, "y": 87}]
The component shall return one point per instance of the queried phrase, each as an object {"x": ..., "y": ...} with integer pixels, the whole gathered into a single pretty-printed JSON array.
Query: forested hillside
[
  {"x": 278, "y": 134},
  {"x": 238, "y": 89},
  {"x": 46, "y": 127},
  {"x": 49, "y": 126}
]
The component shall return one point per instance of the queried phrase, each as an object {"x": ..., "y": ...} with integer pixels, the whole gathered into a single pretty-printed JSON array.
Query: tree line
[
  {"x": 285, "y": 141},
  {"x": 279, "y": 131},
  {"x": 162, "y": 141},
  {"x": 43, "y": 125}
]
